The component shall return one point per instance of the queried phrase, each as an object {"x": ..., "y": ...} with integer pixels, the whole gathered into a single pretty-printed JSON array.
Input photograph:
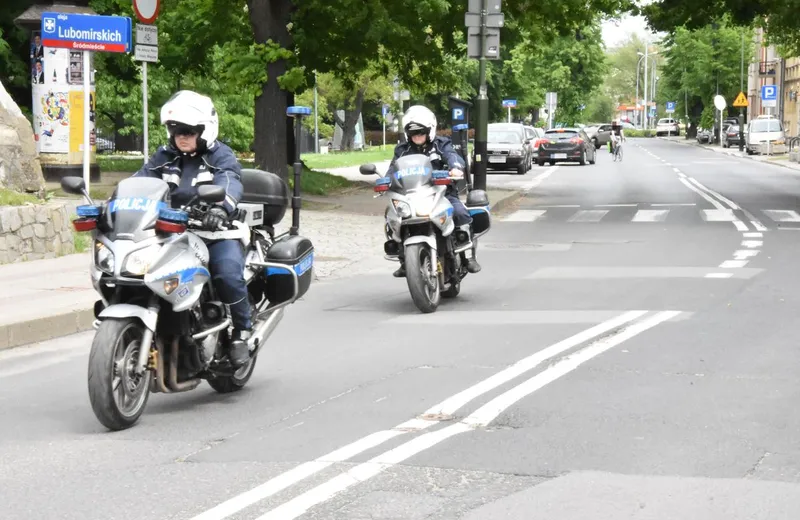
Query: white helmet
[
  {"x": 419, "y": 118},
  {"x": 190, "y": 109}
]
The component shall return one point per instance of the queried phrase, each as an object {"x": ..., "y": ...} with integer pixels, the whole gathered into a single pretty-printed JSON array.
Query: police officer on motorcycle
[
  {"x": 194, "y": 157},
  {"x": 419, "y": 125}
]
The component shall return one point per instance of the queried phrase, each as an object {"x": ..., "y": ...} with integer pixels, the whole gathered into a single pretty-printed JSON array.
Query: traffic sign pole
[
  {"x": 146, "y": 50},
  {"x": 87, "y": 107}
]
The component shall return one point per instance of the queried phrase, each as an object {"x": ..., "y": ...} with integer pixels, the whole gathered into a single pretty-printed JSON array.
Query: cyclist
[{"x": 617, "y": 136}]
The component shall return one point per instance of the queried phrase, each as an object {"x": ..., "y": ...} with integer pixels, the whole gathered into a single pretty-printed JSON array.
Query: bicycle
[{"x": 618, "y": 152}]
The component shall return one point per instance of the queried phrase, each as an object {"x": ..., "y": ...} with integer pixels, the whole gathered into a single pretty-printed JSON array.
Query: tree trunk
[
  {"x": 350, "y": 120},
  {"x": 273, "y": 136}
]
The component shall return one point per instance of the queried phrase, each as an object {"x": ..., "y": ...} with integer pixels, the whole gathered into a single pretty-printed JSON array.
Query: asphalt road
[{"x": 628, "y": 351}]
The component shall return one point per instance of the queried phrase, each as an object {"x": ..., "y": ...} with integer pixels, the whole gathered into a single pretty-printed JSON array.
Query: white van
[{"x": 765, "y": 129}]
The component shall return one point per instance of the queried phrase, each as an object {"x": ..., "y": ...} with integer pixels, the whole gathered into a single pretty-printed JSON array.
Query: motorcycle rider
[
  {"x": 194, "y": 157},
  {"x": 419, "y": 125}
]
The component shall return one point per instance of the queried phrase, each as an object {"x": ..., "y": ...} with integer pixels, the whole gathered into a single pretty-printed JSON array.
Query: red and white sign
[{"x": 146, "y": 10}]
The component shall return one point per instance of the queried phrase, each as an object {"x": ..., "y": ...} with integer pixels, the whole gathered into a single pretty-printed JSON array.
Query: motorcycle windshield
[
  {"x": 132, "y": 212},
  {"x": 412, "y": 172}
]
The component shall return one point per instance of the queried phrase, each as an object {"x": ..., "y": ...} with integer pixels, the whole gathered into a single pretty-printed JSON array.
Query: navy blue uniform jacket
[{"x": 218, "y": 165}]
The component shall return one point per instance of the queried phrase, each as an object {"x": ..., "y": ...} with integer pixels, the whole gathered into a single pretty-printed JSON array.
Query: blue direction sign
[
  {"x": 670, "y": 107},
  {"x": 509, "y": 103},
  {"x": 86, "y": 32},
  {"x": 385, "y": 110}
]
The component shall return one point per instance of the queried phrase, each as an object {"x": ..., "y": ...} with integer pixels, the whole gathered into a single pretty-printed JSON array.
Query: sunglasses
[
  {"x": 183, "y": 130},
  {"x": 412, "y": 133}
]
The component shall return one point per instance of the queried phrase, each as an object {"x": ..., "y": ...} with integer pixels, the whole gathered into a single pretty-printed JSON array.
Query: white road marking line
[
  {"x": 719, "y": 275},
  {"x": 675, "y": 204},
  {"x": 588, "y": 215},
  {"x": 753, "y": 235},
  {"x": 758, "y": 225},
  {"x": 741, "y": 226},
  {"x": 782, "y": 215},
  {"x": 752, "y": 243},
  {"x": 446, "y": 407},
  {"x": 616, "y": 205},
  {"x": 733, "y": 264},
  {"x": 539, "y": 178},
  {"x": 743, "y": 254},
  {"x": 676, "y": 170},
  {"x": 718, "y": 215},
  {"x": 524, "y": 215},
  {"x": 713, "y": 202},
  {"x": 708, "y": 190},
  {"x": 481, "y": 417},
  {"x": 650, "y": 215}
]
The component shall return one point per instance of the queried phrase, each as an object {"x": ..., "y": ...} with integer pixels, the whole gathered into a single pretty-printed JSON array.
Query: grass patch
[
  {"x": 82, "y": 241},
  {"x": 13, "y": 198},
  {"x": 319, "y": 183},
  {"x": 342, "y": 159}
]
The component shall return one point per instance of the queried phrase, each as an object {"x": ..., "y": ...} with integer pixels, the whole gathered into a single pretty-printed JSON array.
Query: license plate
[
  {"x": 559, "y": 156},
  {"x": 497, "y": 159}
]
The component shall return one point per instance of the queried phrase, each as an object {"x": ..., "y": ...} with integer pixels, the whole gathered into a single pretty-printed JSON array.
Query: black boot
[
  {"x": 473, "y": 266},
  {"x": 239, "y": 352},
  {"x": 401, "y": 272}
]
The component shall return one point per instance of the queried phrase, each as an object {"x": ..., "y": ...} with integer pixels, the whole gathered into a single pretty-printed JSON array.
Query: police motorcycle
[
  {"x": 419, "y": 223},
  {"x": 160, "y": 324}
]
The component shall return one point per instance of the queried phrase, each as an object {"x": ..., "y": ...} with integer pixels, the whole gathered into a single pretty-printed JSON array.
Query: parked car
[
  {"x": 508, "y": 148},
  {"x": 765, "y": 134},
  {"x": 667, "y": 126},
  {"x": 566, "y": 145},
  {"x": 534, "y": 135},
  {"x": 731, "y": 136},
  {"x": 704, "y": 135}
]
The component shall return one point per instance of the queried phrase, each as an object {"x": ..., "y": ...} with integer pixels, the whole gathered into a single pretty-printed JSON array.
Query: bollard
[{"x": 297, "y": 112}]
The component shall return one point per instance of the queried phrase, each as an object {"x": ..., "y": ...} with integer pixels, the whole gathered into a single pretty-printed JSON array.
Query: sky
[{"x": 615, "y": 32}]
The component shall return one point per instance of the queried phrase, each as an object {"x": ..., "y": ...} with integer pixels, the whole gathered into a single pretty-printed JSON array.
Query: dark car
[
  {"x": 507, "y": 148},
  {"x": 731, "y": 136},
  {"x": 566, "y": 145}
]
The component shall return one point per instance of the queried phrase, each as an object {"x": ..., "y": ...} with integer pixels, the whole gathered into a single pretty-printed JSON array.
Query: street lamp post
[{"x": 638, "y": 64}]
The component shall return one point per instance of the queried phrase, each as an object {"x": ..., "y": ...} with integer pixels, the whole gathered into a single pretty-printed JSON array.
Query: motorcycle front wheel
[
  {"x": 423, "y": 287},
  {"x": 118, "y": 395}
]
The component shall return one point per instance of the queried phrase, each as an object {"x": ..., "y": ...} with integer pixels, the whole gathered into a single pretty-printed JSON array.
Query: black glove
[{"x": 215, "y": 218}]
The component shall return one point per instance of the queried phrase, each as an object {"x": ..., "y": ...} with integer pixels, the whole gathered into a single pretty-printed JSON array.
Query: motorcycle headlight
[
  {"x": 138, "y": 262},
  {"x": 403, "y": 209},
  {"x": 103, "y": 258}
]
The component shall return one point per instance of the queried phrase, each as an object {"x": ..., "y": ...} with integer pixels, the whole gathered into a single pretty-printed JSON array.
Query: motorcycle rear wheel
[
  {"x": 424, "y": 288},
  {"x": 117, "y": 394}
]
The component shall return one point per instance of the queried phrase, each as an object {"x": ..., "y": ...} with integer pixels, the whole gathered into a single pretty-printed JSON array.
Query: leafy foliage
[{"x": 701, "y": 62}]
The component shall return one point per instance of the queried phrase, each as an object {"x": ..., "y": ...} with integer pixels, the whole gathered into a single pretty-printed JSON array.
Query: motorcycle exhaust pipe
[
  {"x": 158, "y": 380},
  {"x": 216, "y": 328},
  {"x": 173, "y": 383},
  {"x": 265, "y": 330}
]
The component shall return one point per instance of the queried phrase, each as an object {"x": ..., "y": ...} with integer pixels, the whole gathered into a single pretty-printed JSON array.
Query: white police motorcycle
[
  {"x": 160, "y": 324},
  {"x": 420, "y": 229}
]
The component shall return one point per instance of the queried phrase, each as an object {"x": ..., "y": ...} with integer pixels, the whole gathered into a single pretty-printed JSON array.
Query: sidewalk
[
  {"x": 776, "y": 160},
  {"x": 46, "y": 299}
]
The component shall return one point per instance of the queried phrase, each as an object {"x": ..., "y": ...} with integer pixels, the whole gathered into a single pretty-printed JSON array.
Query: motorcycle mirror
[
  {"x": 211, "y": 193},
  {"x": 73, "y": 185},
  {"x": 368, "y": 169}
]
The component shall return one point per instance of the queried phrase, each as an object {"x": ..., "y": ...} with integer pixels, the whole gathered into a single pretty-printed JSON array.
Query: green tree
[{"x": 701, "y": 63}]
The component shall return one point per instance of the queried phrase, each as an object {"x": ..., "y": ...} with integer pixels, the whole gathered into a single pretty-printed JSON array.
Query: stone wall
[{"x": 34, "y": 232}]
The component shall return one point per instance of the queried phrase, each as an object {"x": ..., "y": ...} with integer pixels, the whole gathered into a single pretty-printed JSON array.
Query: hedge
[{"x": 639, "y": 133}]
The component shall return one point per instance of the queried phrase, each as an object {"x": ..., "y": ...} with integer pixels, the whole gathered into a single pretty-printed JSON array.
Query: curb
[
  {"x": 506, "y": 201},
  {"x": 43, "y": 329},
  {"x": 734, "y": 154}
]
